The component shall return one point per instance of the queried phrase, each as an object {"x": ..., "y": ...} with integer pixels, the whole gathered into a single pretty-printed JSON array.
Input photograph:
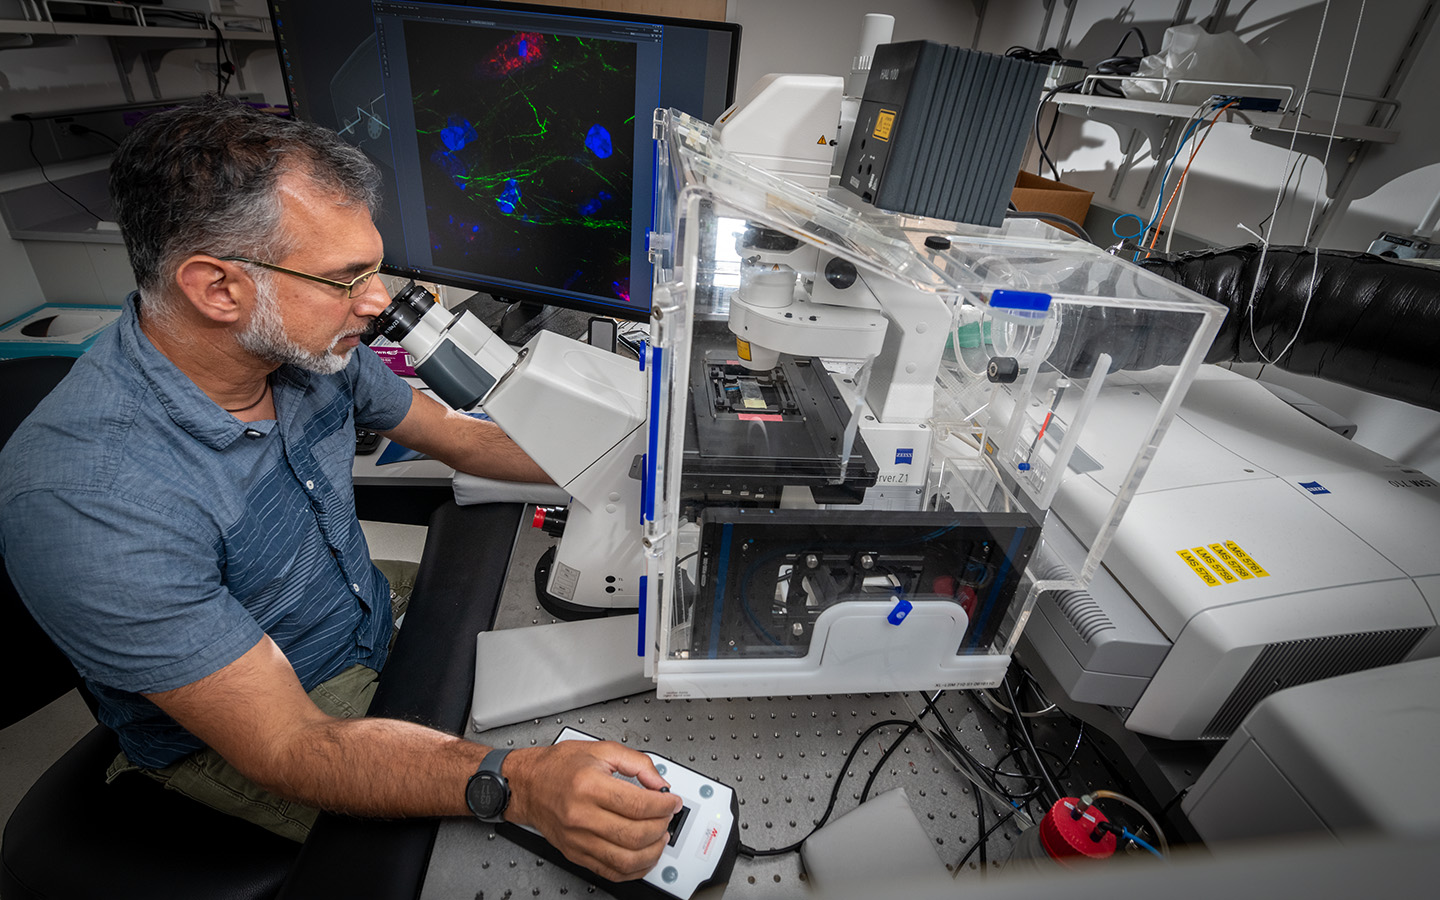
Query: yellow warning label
[
  {"x": 1231, "y": 561},
  {"x": 884, "y": 123},
  {"x": 1244, "y": 557},
  {"x": 1198, "y": 568},
  {"x": 1215, "y": 565},
  {"x": 743, "y": 349},
  {"x": 822, "y": 141}
]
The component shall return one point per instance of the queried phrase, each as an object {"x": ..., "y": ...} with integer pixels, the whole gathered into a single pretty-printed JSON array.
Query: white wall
[
  {"x": 78, "y": 73},
  {"x": 813, "y": 36},
  {"x": 1236, "y": 179}
]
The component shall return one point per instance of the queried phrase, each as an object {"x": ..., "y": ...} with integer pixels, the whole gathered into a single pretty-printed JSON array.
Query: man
[{"x": 178, "y": 514}]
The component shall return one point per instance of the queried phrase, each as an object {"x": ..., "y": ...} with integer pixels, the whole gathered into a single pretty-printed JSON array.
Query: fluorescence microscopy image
[{"x": 527, "y": 154}]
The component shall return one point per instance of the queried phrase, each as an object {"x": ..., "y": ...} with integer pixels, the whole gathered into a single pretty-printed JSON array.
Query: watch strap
[
  {"x": 492, "y": 761},
  {"x": 488, "y": 774}
]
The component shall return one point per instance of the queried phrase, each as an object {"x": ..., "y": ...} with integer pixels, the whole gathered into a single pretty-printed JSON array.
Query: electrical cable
[
  {"x": 834, "y": 795},
  {"x": 980, "y": 841},
  {"x": 869, "y": 782},
  {"x": 30, "y": 145},
  {"x": 1145, "y": 226},
  {"x": 1024, "y": 727},
  {"x": 1298, "y": 164},
  {"x": 1194, "y": 121},
  {"x": 1041, "y": 144},
  {"x": 990, "y": 698},
  {"x": 1294, "y": 136},
  {"x": 1116, "y": 64},
  {"x": 223, "y": 71},
  {"x": 77, "y": 129},
  {"x": 1155, "y": 234},
  {"x": 1315, "y": 202},
  {"x": 1055, "y": 218},
  {"x": 1178, "y": 196},
  {"x": 945, "y": 750},
  {"x": 980, "y": 827},
  {"x": 1179, "y": 795}
]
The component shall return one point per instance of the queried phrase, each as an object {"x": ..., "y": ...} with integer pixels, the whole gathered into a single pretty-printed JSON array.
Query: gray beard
[{"x": 265, "y": 336}]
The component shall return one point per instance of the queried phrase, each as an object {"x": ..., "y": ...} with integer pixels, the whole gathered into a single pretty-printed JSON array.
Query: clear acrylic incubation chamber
[{"x": 859, "y": 422}]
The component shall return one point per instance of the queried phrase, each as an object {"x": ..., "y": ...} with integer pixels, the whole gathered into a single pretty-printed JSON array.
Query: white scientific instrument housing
[
  {"x": 1263, "y": 551},
  {"x": 855, "y": 442},
  {"x": 577, "y": 410}
]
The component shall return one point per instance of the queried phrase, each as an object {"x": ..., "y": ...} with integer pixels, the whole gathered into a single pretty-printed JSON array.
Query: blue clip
[{"x": 901, "y": 610}]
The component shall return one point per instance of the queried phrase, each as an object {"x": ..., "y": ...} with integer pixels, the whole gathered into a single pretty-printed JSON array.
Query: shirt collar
[{"x": 186, "y": 404}]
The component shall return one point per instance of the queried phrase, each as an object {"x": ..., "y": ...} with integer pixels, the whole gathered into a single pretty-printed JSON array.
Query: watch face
[{"x": 487, "y": 795}]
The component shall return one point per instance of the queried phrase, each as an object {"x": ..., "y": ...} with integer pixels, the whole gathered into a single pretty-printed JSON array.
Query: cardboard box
[
  {"x": 395, "y": 357},
  {"x": 1033, "y": 193}
]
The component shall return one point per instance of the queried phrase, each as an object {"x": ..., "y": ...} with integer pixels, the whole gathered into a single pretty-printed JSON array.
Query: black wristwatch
[{"x": 488, "y": 793}]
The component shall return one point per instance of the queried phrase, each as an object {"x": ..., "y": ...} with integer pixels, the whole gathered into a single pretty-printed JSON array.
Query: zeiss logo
[
  {"x": 904, "y": 456},
  {"x": 1314, "y": 487}
]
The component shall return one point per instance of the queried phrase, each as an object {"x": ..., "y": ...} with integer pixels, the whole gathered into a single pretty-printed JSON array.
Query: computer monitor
[{"x": 514, "y": 141}]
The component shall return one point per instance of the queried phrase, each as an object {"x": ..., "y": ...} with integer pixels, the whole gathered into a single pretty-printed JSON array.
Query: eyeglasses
[{"x": 352, "y": 287}]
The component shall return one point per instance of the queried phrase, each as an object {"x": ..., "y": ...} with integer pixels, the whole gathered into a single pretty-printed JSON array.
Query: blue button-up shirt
[{"x": 155, "y": 537}]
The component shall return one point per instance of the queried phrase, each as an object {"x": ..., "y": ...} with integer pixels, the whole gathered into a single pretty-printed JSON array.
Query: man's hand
[
  {"x": 568, "y": 793},
  {"x": 256, "y": 715}
]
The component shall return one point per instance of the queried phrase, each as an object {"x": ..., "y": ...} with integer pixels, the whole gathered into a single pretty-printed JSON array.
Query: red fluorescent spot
[{"x": 517, "y": 52}]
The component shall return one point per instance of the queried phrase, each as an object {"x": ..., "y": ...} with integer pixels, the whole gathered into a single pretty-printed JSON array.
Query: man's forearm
[
  {"x": 489, "y": 452},
  {"x": 374, "y": 767},
  {"x": 464, "y": 443}
]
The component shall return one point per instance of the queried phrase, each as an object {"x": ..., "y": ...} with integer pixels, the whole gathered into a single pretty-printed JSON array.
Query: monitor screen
[{"x": 514, "y": 141}]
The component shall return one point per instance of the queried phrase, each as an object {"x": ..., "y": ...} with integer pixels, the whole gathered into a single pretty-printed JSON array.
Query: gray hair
[{"x": 202, "y": 178}]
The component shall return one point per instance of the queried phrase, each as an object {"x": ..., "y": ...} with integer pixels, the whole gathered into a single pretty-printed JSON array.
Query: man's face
[{"x": 305, "y": 323}]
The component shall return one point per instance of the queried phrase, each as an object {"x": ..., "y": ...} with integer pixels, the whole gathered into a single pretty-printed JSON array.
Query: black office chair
[{"x": 72, "y": 835}]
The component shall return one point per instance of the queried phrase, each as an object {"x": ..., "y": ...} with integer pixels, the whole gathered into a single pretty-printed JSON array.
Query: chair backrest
[{"x": 32, "y": 668}]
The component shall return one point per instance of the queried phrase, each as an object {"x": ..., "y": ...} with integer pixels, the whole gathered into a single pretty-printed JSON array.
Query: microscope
[{"x": 577, "y": 410}]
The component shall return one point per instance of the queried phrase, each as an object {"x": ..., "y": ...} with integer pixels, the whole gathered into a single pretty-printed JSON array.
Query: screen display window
[{"x": 515, "y": 142}]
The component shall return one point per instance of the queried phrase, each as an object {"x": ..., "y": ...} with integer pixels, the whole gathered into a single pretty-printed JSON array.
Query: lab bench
[{"x": 781, "y": 755}]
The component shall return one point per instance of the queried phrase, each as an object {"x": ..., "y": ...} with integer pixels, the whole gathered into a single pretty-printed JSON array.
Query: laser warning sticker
[
  {"x": 1222, "y": 563},
  {"x": 884, "y": 124}
]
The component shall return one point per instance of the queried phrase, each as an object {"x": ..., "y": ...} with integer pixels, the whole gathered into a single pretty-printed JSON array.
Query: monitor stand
[
  {"x": 519, "y": 321},
  {"x": 518, "y": 324}
]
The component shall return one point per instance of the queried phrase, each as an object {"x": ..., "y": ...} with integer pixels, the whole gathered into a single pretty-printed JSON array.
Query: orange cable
[{"x": 1176, "y": 192}]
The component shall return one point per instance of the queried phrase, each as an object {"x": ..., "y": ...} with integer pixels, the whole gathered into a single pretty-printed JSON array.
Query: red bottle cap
[{"x": 1067, "y": 838}]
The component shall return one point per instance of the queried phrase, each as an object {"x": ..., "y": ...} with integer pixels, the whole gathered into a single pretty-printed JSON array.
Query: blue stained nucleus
[
  {"x": 590, "y": 207},
  {"x": 522, "y": 48},
  {"x": 457, "y": 133},
  {"x": 510, "y": 197},
  {"x": 597, "y": 141},
  {"x": 453, "y": 167}
]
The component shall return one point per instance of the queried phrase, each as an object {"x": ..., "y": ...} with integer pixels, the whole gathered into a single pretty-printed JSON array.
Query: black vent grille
[{"x": 1289, "y": 663}]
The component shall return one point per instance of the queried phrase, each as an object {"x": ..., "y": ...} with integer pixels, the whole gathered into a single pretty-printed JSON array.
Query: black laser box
[{"x": 941, "y": 131}]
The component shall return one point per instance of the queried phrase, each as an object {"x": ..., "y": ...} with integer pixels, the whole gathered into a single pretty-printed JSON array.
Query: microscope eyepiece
[{"x": 406, "y": 310}]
